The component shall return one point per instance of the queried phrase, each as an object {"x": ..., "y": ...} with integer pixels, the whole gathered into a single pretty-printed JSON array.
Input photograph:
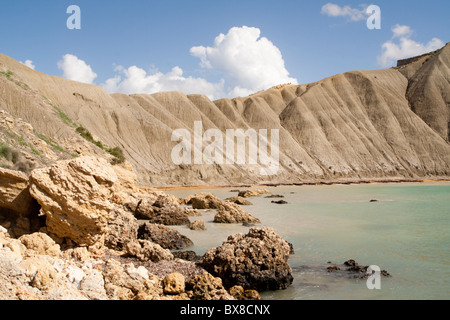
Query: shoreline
[{"x": 307, "y": 183}]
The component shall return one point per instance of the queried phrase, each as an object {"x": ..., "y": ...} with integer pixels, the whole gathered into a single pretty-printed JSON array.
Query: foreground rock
[
  {"x": 77, "y": 197},
  {"x": 230, "y": 212},
  {"x": 257, "y": 260},
  {"x": 164, "y": 236}
]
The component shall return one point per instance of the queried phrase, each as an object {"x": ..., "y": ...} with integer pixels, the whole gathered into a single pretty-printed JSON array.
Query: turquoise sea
[{"x": 407, "y": 233}]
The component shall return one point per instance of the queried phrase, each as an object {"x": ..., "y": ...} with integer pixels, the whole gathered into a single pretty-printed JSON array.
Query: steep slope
[
  {"x": 356, "y": 125},
  {"x": 428, "y": 89}
]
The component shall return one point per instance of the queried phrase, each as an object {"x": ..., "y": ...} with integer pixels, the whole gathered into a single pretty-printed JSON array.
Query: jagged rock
[
  {"x": 164, "y": 236},
  {"x": 197, "y": 225},
  {"x": 76, "y": 197},
  {"x": 186, "y": 255},
  {"x": 208, "y": 287},
  {"x": 230, "y": 212},
  {"x": 204, "y": 201},
  {"x": 164, "y": 210},
  {"x": 14, "y": 193},
  {"x": 257, "y": 261},
  {"x": 146, "y": 250},
  {"x": 240, "y": 200},
  {"x": 174, "y": 283}
]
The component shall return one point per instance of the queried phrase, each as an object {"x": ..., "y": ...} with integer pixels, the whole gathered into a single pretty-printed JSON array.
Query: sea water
[{"x": 405, "y": 232}]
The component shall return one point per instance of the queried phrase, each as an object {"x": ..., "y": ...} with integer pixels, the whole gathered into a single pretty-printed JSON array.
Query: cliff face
[{"x": 356, "y": 125}]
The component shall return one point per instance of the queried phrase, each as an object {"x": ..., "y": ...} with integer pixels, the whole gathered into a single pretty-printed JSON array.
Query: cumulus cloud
[
  {"x": 136, "y": 80},
  {"x": 334, "y": 10},
  {"x": 405, "y": 46},
  {"x": 244, "y": 61},
  {"x": 247, "y": 61},
  {"x": 76, "y": 69},
  {"x": 29, "y": 64}
]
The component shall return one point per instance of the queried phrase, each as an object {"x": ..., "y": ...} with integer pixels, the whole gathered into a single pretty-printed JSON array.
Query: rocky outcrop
[
  {"x": 230, "y": 212},
  {"x": 163, "y": 210},
  {"x": 15, "y": 197},
  {"x": 164, "y": 236},
  {"x": 197, "y": 225},
  {"x": 257, "y": 260},
  {"x": 78, "y": 199},
  {"x": 204, "y": 201},
  {"x": 241, "y": 201}
]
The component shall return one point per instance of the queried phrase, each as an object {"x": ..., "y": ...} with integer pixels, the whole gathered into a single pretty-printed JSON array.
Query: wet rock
[
  {"x": 257, "y": 260},
  {"x": 186, "y": 255},
  {"x": 197, "y": 225},
  {"x": 274, "y": 196},
  {"x": 164, "y": 210},
  {"x": 253, "y": 193},
  {"x": 204, "y": 201},
  {"x": 241, "y": 201},
  {"x": 166, "y": 237},
  {"x": 280, "y": 202},
  {"x": 230, "y": 212}
]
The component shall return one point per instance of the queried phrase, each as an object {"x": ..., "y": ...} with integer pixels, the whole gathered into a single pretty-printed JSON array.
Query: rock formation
[{"x": 257, "y": 260}]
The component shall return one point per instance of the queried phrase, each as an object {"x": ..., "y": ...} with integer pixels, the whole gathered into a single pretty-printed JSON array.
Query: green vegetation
[
  {"x": 15, "y": 157},
  {"x": 64, "y": 117},
  {"x": 7, "y": 74},
  {"x": 22, "y": 141},
  {"x": 116, "y": 152},
  {"x": 54, "y": 144}
]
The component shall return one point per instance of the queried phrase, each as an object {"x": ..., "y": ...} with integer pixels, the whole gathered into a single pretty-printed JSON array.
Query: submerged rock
[
  {"x": 257, "y": 260},
  {"x": 240, "y": 200},
  {"x": 204, "y": 201}
]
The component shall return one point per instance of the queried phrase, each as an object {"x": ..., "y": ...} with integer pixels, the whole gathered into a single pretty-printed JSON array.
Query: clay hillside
[{"x": 383, "y": 124}]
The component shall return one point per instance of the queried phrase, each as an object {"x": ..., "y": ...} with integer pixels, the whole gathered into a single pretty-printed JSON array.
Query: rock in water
[
  {"x": 230, "y": 212},
  {"x": 257, "y": 260},
  {"x": 77, "y": 198},
  {"x": 164, "y": 236}
]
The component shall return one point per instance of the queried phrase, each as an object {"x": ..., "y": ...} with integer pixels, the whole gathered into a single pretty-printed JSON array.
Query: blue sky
[{"x": 137, "y": 44}]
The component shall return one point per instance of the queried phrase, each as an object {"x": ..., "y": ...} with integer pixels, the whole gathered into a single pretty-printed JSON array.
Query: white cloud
[
  {"x": 334, "y": 10},
  {"x": 76, "y": 69},
  {"x": 401, "y": 31},
  {"x": 29, "y": 64},
  {"x": 248, "y": 62},
  {"x": 137, "y": 80},
  {"x": 245, "y": 62},
  {"x": 406, "y": 47}
]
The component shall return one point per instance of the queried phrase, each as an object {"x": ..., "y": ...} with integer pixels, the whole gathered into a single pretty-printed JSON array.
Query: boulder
[
  {"x": 253, "y": 193},
  {"x": 197, "y": 225},
  {"x": 240, "y": 200},
  {"x": 41, "y": 243},
  {"x": 75, "y": 195},
  {"x": 204, "y": 201},
  {"x": 257, "y": 260},
  {"x": 164, "y": 236},
  {"x": 15, "y": 196},
  {"x": 230, "y": 212},
  {"x": 164, "y": 210}
]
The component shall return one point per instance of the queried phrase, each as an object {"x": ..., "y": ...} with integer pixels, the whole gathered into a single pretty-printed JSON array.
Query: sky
[{"x": 220, "y": 48}]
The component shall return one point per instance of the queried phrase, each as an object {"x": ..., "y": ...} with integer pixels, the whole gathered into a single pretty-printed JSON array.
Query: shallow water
[{"x": 407, "y": 233}]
